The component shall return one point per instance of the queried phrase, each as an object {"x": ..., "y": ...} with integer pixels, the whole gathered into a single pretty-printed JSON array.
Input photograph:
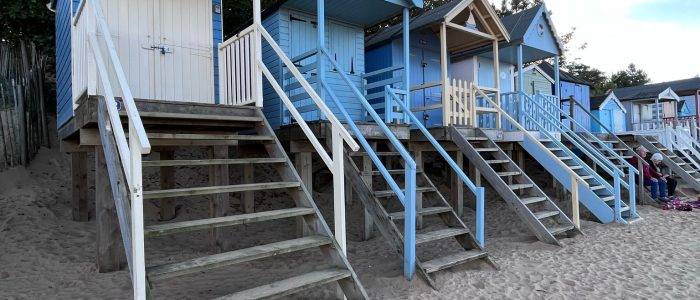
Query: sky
[{"x": 661, "y": 37}]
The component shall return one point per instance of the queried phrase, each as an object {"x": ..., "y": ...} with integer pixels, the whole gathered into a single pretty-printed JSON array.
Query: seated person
[
  {"x": 652, "y": 179},
  {"x": 655, "y": 164}
]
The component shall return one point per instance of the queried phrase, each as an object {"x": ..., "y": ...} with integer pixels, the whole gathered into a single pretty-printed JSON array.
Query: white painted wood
[
  {"x": 338, "y": 188},
  {"x": 238, "y": 74},
  {"x": 138, "y": 253}
]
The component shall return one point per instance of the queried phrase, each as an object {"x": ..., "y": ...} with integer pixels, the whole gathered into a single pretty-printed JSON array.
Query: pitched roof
[
  {"x": 425, "y": 18},
  {"x": 563, "y": 75},
  {"x": 518, "y": 23},
  {"x": 683, "y": 87}
]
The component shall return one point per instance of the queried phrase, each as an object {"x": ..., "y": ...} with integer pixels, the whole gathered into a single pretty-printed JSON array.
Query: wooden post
[
  {"x": 457, "y": 188},
  {"x": 367, "y": 167},
  {"x": 446, "y": 110},
  {"x": 497, "y": 79},
  {"x": 249, "y": 196},
  {"x": 167, "y": 181},
  {"x": 218, "y": 175},
  {"x": 418, "y": 158},
  {"x": 574, "y": 203},
  {"x": 110, "y": 252},
  {"x": 304, "y": 166},
  {"x": 79, "y": 185}
]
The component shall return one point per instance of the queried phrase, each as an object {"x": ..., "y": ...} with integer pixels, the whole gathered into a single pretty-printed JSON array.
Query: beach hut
[
  {"x": 610, "y": 112},
  {"x": 648, "y": 106},
  {"x": 570, "y": 87}
]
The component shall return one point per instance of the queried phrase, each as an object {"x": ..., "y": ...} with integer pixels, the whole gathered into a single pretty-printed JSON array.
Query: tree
[
  {"x": 599, "y": 81},
  {"x": 28, "y": 20},
  {"x": 630, "y": 77},
  {"x": 509, "y": 7}
]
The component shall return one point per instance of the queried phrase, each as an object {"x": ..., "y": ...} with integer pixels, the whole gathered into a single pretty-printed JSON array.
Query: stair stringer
[
  {"x": 351, "y": 286},
  {"x": 668, "y": 162},
  {"x": 510, "y": 197},
  {"x": 588, "y": 198}
]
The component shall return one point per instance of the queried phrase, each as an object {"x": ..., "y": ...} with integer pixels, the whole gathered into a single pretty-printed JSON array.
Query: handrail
[
  {"x": 304, "y": 55},
  {"x": 307, "y": 87},
  {"x": 382, "y": 71},
  {"x": 407, "y": 197},
  {"x": 79, "y": 12},
  {"x": 575, "y": 178},
  {"x": 610, "y": 133},
  {"x": 478, "y": 191},
  {"x": 687, "y": 142}
]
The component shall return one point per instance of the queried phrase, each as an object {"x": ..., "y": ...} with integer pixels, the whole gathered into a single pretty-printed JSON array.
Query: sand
[{"x": 46, "y": 255}]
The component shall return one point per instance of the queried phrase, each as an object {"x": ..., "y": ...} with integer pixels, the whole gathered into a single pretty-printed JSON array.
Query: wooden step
[
  {"x": 291, "y": 285},
  {"x": 497, "y": 161},
  {"x": 362, "y": 153},
  {"x": 575, "y": 167},
  {"x": 545, "y": 214},
  {"x": 208, "y": 136},
  {"x": 205, "y": 117},
  {"x": 422, "y": 238},
  {"x": 671, "y": 156},
  {"x": 486, "y": 149},
  {"x": 563, "y": 158},
  {"x": 554, "y": 149},
  {"x": 389, "y": 193},
  {"x": 510, "y": 173},
  {"x": 608, "y": 198},
  {"x": 209, "y": 162},
  {"x": 208, "y": 190},
  {"x": 531, "y": 200},
  {"x": 200, "y": 264},
  {"x": 597, "y": 187},
  {"x": 426, "y": 211},
  {"x": 520, "y": 186},
  {"x": 560, "y": 229},
  {"x": 194, "y": 225},
  {"x": 587, "y": 177},
  {"x": 451, "y": 260},
  {"x": 399, "y": 171},
  {"x": 476, "y": 138}
]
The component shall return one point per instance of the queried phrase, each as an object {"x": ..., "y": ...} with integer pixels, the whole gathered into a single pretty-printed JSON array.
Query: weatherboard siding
[{"x": 64, "y": 94}]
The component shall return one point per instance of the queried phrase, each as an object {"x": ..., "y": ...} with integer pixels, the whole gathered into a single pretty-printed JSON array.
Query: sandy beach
[{"x": 46, "y": 255}]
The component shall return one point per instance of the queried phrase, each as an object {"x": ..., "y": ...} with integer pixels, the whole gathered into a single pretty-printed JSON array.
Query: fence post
[
  {"x": 575, "y": 218},
  {"x": 136, "y": 193},
  {"x": 338, "y": 187}
]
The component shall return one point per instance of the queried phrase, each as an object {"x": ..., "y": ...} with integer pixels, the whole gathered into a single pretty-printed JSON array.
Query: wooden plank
[
  {"x": 218, "y": 189},
  {"x": 194, "y": 225},
  {"x": 219, "y": 202},
  {"x": 188, "y": 116},
  {"x": 200, "y": 136},
  {"x": 457, "y": 186},
  {"x": 110, "y": 252},
  {"x": 215, "y": 261},
  {"x": 291, "y": 285},
  {"x": 207, "y": 162},
  {"x": 248, "y": 196},
  {"x": 167, "y": 181},
  {"x": 418, "y": 158},
  {"x": 79, "y": 184},
  {"x": 367, "y": 166},
  {"x": 452, "y": 260},
  {"x": 427, "y": 237}
]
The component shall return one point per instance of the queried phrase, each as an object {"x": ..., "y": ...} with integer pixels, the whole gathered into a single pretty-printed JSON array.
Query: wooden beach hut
[{"x": 610, "y": 112}]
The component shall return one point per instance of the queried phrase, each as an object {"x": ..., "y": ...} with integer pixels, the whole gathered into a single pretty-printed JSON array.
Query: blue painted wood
[
  {"x": 540, "y": 35},
  {"x": 64, "y": 85},
  {"x": 218, "y": 37},
  {"x": 581, "y": 93}
]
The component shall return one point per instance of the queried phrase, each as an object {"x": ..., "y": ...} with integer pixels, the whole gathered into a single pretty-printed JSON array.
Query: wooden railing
[
  {"x": 373, "y": 84},
  {"x": 240, "y": 79},
  {"x": 129, "y": 150},
  {"x": 459, "y": 104}
]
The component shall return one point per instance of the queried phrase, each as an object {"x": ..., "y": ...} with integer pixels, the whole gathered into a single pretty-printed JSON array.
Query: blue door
[{"x": 425, "y": 69}]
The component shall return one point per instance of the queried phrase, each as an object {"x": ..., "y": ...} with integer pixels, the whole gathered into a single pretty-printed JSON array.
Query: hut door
[
  {"x": 183, "y": 50},
  {"x": 426, "y": 70},
  {"x": 618, "y": 121}
]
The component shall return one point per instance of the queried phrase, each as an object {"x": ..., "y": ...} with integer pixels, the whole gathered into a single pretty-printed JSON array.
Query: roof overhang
[
  {"x": 364, "y": 13},
  {"x": 612, "y": 97}
]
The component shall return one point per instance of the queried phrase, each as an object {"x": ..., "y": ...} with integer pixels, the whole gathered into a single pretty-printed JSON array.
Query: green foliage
[
  {"x": 509, "y": 7},
  {"x": 630, "y": 77},
  {"x": 29, "y": 20}
]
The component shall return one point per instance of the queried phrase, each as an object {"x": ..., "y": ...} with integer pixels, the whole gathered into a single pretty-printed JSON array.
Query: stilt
[
  {"x": 248, "y": 197},
  {"x": 110, "y": 252},
  {"x": 418, "y": 158},
  {"x": 79, "y": 186},
  {"x": 457, "y": 187},
  {"x": 218, "y": 204},
  {"x": 367, "y": 167},
  {"x": 167, "y": 181},
  {"x": 304, "y": 166}
]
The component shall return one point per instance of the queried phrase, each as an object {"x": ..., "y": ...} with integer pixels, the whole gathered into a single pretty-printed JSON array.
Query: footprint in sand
[
  {"x": 479, "y": 285},
  {"x": 568, "y": 282}
]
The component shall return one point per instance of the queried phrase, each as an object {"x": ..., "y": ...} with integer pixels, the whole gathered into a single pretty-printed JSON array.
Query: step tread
[
  {"x": 189, "y": 116},
  {"x": 207, "y": 190},
  {"x": 193, "y": 225},
  {"x": 385, "y": 153},
  {"x": 597, "y": 187},
  {"x": 560, "y": 229},
  {"x": 233, "y": 257},
  {"x": 398, "y": 171},
  {"x": 426, "y": 211},
  {"x": 497, "y": 161},
  {"x": 545, "y": 214},
  {"x": 207, "y": 162},
  {"x": 486, "y": 149},
  {"x": 476, "y": 138},
  {"x": 519, "y": 186},
  {"x": 208, "y": 136},
  {"x": 422, "y": 238},
  {"x": 389, "y": 193},
  {"x": 291, "y": 285},
  {"x": 451, "y": 260},
  {"x": 531, "y": 200},
  {"x": 509, "y": 173}
]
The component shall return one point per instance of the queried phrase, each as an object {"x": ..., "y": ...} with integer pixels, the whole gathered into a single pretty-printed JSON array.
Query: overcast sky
[{"x": 660, "y": 36}]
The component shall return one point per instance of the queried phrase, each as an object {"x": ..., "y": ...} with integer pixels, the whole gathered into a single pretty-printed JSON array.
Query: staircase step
[
  {"x": 209, "y": 162},
  {"x": 422, "y": 238},
  {"x": 560, "y": 229},
  {"x": 426, "y": 211},
  {"x": 672, "y": 156},
  {"x": 597, "y": 187},
  {"x": 497, "y": 161},
  {"x": 206, "y": 117},
  {"x": 200, "y": 264},
  {"x": 575, "y": 167},
  {"x": 486, "y": 149},
  {"x": 586, "y": 177},
  {"x": 389, "y": 193},
  {"x": 208, "y": 136},
  {"x": 531, "y": 200},
  {"x": 510, "y": 173},
  {"x": 398, "y": 171},
  {"x": 608, "y": 198},
  {"x": 362, "y": 153},
  {"x": 476, "y": 138},
  {"x": 194, "y": 225},
  {"x": 451, "y": 260},
  {"x": 545, "y": 214},
  {"x": 208, "y": 190},
  {"x": 563, "y": 158},
  {"x": 291, "y": 285},
  {"x": 520, "y": 186}
]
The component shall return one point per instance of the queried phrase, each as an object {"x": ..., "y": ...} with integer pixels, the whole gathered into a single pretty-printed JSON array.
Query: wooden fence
[{"x": 23, "y": 128}]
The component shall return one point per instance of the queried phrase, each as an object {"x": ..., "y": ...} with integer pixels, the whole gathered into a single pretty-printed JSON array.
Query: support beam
[
  {"x": 167, "y": 181},
  {"x": 521, "y": 83},
  {"x": 406, "y": 58},
  {"x": 248, "y": 198},
  {"x": 79, "y": 185},
  {"x": 321, "y": 43},
  {"x": 110, "y": 252},
  {"x": 446, "y": 103},
  {"x": 304, "y": 166},
  {"x": 497, "y": 79},
  {"x": 557, "y": 80},
  {"x": 367, "y": 167},
  {"x": 418, "y": 158},
  {"x": 218, "y": 204},
  {"x": 457, "y": 186}
]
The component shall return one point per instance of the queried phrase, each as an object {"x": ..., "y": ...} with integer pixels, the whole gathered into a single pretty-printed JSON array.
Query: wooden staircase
[
  {"x": 247, "y": 127},
  {"x": 677, "y": 164},
  {"x": 446, "y": 231},
  {"x": 524, "y": 197}
]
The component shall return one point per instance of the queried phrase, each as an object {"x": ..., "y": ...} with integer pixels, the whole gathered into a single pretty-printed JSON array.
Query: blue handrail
[
  {"x": 478, "y": 191},
  {"x": 407, "y": 197}
]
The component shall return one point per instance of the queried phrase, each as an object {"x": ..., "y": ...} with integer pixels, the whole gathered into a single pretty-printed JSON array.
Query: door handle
[{"x": 163, "y": 49}]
